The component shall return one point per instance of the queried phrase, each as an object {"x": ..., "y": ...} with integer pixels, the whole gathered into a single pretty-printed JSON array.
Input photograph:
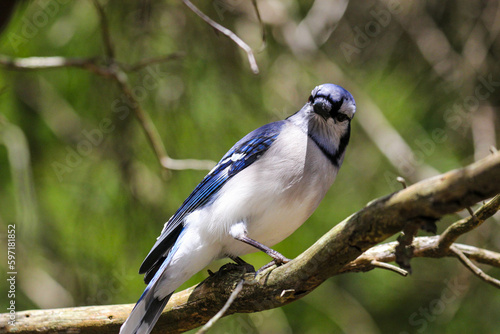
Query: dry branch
[
  {"x": 244, "y": 46},
  {"x": 472, "y": 267},
  {"x": 116, "y": 72},
  {"x": 424, "y": 247},
  {"x": 338, "y": 251},
  {"x": 465, "y": 225},
  {"x": 106, "y": 36},
  {"x": 108, "y": 67}
]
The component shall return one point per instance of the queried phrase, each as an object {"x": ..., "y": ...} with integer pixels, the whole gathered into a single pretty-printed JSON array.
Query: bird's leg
[
  {"x": 239, "y": 232},
  {"x": 278, "y": 258}
]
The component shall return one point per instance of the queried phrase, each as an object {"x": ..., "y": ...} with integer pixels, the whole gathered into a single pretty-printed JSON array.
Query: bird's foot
[{"x": 278, "y": 261}]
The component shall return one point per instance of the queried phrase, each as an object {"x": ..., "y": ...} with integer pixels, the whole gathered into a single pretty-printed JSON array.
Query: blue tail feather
[
  {"x": 147, "y": 310},
  {"x": 149, "y": 307}
]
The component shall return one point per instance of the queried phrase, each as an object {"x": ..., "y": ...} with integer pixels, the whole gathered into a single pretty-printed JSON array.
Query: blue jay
[{"x": 258, "y": 194}]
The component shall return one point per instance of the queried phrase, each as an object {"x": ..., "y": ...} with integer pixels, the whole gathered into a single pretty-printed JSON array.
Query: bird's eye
[{"x": 339, "y": 117}]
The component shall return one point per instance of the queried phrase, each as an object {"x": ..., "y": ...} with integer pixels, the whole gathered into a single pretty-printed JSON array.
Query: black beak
[{"x": 321, "y": 107}]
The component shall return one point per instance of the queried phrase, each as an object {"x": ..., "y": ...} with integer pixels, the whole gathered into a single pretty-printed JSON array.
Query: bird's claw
[{"x": 278, "y": 261}]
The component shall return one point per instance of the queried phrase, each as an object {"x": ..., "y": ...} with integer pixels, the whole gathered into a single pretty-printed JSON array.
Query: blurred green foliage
[{"x": 82, "y": 231}]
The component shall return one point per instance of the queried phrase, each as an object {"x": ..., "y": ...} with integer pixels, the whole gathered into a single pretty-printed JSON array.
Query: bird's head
[
  {"x": 333, "y": 103},
  {"x": 326, "y": 118}
]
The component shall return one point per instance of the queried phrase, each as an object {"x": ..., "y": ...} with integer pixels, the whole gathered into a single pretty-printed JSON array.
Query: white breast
[{"x": 274, "y": 196}]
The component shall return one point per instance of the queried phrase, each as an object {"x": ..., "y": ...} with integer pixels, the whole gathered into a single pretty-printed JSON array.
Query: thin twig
[
  {"x": 117, "y": 73},
  {"x": 40, "y": 63},
  {"x": 152, "y": 132},
  {"x": 106, "y": 36},
  {"x": 223, "y": 310},
  {"x": 147, "y": 124},
  {"x": 150, "y": 61},
  {"x": 402, "y": 180},
  {"x": 479, "y": 255},
  {"x": 182, "y": 164},
  {"x": 262, "y": 26},
  {"x": 471, "y": 213},
  {"x": 388, "y": 266},
  {"x": 114, "y": 71},
  {"x": 465, "y": 225},
  {"x": 475, "y": 269},
  {"x": 228, "y": 33}
]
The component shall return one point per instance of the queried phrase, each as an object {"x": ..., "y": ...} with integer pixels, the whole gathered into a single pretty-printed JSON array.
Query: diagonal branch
[
  {"x": 142, "y": 116},
  {"x": 106, "y": 36},
  {"x": 111, "y": 69},
  {"x": 151, "y": 61},
  {"x": 262, "y": 27},
  {"x": 472, "y": 267},
  {"x": 115, "y": 72},
  {"x": 223, "y": 310},
  {"x": 150, "y": 130},
  {"x": 333, "y": 254},
  {"x": 228, "y": 33},
  {"x": 468, "y": 224}
]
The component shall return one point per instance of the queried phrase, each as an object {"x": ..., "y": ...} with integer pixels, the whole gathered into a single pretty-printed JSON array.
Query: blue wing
[{"x": 241, "y": 155}]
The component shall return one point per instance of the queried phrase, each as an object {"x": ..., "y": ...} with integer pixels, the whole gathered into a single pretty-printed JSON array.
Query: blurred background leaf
[{"x": 82, "y": 184}]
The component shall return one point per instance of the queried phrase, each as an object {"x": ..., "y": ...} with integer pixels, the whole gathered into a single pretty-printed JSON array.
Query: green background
[{"x": 83, "y": 230}]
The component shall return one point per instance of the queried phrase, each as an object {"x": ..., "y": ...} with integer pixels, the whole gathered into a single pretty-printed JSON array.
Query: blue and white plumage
[{"x": 259, "y": 193}]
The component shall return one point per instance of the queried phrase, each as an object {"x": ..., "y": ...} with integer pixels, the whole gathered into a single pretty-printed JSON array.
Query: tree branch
[
  {"x": 472, "y": 267},
  {"x": 111, "y": 69},
  {"x": 116, "y": 72},
  {"x": 228, "y": 33},
  {"x": 338, "y": 251},
  {"x": 468, "y": 224},
  {"x": 388, "y": 266},
  {"x": 40, "y": 63},
  {"x": 423, "y": 247},
  {"x": 223, "y": 310},
  {"x": 151, "y": 61},
  {"x": 262, "y": 26},
  {"x": 106, "y": 36}
]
